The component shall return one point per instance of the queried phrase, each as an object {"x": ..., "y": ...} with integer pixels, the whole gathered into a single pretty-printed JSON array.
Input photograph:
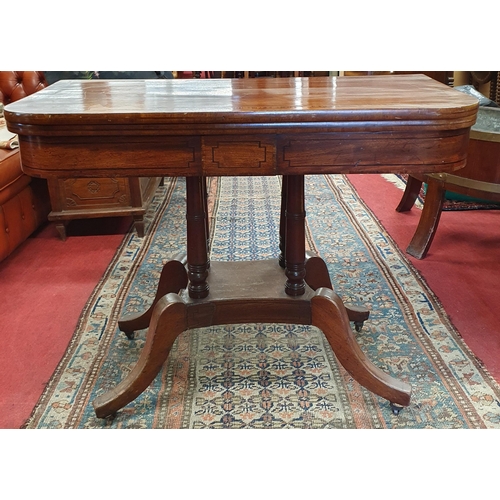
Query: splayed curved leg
[
  {"x": 330, "y": 316},
  {"x": 317, "y": 276},
  {"x": 172, "y": 279},
  {"x": 168, "y": 320},
  {"x": 410, "y": 195},
  {"x": 429, "y": 220}
]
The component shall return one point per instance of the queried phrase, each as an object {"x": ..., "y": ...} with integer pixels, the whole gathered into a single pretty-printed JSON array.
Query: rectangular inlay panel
[{"x": 239, "y": 155}]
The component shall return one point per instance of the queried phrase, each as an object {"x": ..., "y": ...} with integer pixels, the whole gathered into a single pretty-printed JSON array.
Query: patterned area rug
[{"x": 272, "y": 375}]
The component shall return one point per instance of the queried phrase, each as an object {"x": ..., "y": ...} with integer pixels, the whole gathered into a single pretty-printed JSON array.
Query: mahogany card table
[{"x": 290, "y": 127}]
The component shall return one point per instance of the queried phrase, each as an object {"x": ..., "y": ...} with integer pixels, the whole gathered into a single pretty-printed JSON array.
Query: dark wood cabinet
[{"x": 88, "y": 197}]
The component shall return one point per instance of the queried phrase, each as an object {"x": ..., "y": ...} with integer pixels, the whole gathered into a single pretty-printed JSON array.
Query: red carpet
[
  {"x": 44, "y": 285},
  {"x": 39, "y": 311}
]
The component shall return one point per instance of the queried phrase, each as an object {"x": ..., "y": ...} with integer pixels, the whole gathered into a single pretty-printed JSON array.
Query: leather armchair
[
  {"x": 24, "y": 201},
  {"x": 15, "y": 85}
]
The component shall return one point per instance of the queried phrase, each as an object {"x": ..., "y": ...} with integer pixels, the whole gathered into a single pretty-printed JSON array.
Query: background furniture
[
  {"x": 24, "y": 201},
  {"x": 446, "y": 77},
  {"x": 247, "y": 74},
  {"x": 84, "y": 198},
  {"x": 87, "y": 198},
  {"x": 54, "y": 76},
  {"x": 480, "y": 178}
]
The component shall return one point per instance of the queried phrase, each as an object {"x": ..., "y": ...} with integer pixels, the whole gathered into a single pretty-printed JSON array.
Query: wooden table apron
[{"x": 199, "y": 128}]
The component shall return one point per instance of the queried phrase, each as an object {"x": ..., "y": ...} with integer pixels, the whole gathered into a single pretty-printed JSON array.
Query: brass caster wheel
[
  {"x": 396, "y": 409},
  {"x": 130, "y": 335},
  {"x": 358, "y": 325}
]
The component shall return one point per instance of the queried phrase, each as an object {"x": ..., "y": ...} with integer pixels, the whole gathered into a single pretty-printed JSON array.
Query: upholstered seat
[
  {"x": 24, "y": 201},
  {"x": 15, "y": 85}
]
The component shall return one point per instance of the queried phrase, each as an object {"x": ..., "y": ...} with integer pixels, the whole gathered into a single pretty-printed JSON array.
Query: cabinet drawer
[{"x": 103, "y": 192}]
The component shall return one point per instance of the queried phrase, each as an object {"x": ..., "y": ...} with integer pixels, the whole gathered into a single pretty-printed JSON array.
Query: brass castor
[{"x": 396, "y": 408}]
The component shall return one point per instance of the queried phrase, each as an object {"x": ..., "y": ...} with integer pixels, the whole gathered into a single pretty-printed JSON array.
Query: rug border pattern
[{"x": 419, "y": 324}]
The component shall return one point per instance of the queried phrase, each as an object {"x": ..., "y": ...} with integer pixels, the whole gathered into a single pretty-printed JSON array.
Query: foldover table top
[
  {"x": 254, "y": 126},
  {"x": 246, "y": 101}
]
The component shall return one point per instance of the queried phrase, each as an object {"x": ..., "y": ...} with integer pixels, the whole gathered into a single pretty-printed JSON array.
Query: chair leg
[
  {"x": 429, "y": 220},
  {"x": 413, "y": 186}
]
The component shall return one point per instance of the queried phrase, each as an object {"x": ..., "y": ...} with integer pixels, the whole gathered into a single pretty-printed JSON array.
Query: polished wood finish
[
  {"x": 257, "y": 126},
  {"x": 273, "y": 125}
]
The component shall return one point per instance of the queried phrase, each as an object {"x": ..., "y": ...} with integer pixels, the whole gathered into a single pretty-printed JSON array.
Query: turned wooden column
[
  {"x": 284, "y": 187},
  {"x": 207, "y": 225},
  {"x": 197, "y": 255},
  {"x": 295, "y": 245}
]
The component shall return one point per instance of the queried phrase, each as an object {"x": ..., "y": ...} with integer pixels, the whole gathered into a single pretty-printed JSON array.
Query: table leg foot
[
  {"x": 358, "y": 315},
  {"x": 429, "y": 220},
  {"x": 172, "y": 279},
  {"x": 317, "y": 276},
  {"x": 396, "y": 409},
  {"x": 330, "y": 316},
  {"x": 168, "y": 320}
]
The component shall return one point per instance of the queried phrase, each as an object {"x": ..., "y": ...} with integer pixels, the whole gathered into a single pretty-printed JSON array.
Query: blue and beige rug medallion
[{"x": 272, "y": 375}]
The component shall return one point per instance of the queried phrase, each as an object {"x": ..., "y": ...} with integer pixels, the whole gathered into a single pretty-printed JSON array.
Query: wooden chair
[{"x": 480, "y": 178}]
